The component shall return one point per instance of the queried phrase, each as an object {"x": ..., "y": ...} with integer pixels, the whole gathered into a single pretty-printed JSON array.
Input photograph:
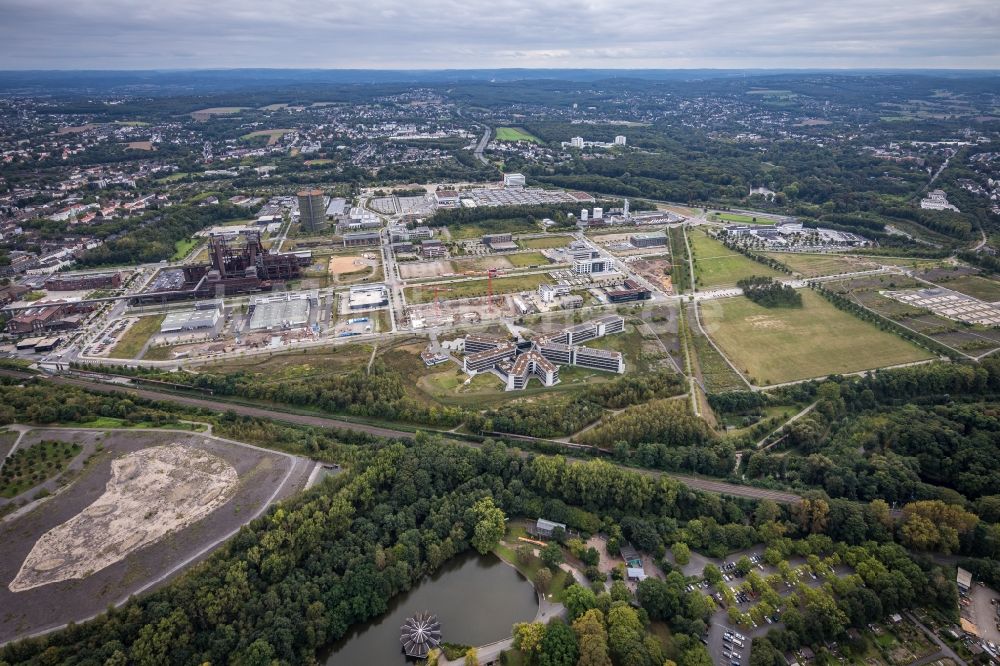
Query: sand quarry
[{"x": 151, "y": 493}]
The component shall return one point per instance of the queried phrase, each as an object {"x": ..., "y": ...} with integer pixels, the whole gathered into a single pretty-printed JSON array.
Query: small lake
[{"x": 476, "y": 597}]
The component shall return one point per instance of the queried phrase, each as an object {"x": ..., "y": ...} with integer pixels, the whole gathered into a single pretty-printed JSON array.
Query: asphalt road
[
  {"x": 482, "y": 146},
  {"x": 698, "y": 483}
]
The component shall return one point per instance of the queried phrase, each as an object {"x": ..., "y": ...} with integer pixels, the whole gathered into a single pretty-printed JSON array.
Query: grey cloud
[{"x": 133, "y": 34}]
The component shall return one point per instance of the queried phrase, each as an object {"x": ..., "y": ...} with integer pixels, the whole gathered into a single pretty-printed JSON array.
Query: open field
[
  {"x": 473, "y": 288},
  {"x": 344, "y": 265},
  {"x": 544, "y": 242},
  {"x": 205, "y": 114},
  {"x": 492, "y": 226},
  {"x": 296, "y": 365},
  {"x": 182, "y": 247},
  {"x": 816, "y": 265},
  {"x": 740, "y": 218},
  {"x": 102, "y": 538},
  {"x": 131, "y": 343},
  {"x": 173, "y": 177},
  {"x": 526, "y": 259},
  {"x": 516, "y": 134},
  {"x": 776, "y": 345},
  {"x": 76, "y": 129},
  {"x": 716, "y": 265},
  {"x": 140, "y": 145},
  {"x": 976, "y": 286},
  {"x": 484, "y": 263},
  {"x": 413, "y": 270},
  {"x": 272, "y": 135},
  {"x": 965, "y": 338}
]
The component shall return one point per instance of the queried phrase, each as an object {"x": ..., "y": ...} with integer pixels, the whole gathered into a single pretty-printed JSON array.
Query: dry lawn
[{"x": 775, "y": 345}]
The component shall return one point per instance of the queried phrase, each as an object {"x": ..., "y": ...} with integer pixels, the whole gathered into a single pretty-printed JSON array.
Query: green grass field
[
  {"x": 474, "y": 288},
  {"x": 975, "y": 286},
  {"x": 493, "y": 226},
  {"x": 525, "y": 259},
  {"x": 544, "y": 242},
  {"x": 815, "y": 265},
  {"x": 516, "y": 134},
  {"x": 182, "y": 247},
  {"x": 716, "y": 265},
  {"x": 738, "y": 218},
  {"x": 136, "y": 336},
  {"x": 771, "y": 346},
  {"x": 272, "y": 135}
]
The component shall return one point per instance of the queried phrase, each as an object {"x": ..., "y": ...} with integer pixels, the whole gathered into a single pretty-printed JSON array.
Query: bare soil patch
[
  {"x": 150, "y": 494},
  {"x": 50, "y": 599},
  {"x": 425, "y": 269}
]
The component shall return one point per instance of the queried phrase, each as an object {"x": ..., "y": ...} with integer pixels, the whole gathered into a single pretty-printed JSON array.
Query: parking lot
[
  {"x": 982, "y": 611},
  {"x": 729, "y": 645}
]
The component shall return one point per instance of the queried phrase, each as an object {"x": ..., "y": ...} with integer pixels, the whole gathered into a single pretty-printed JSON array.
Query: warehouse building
[
  {"x": 204, "y": 315},
  {"x": 367, "y": 296},
  {"x": 356, "y": 239},
  {"x": 87, "y": 281},
  {"x": 281, "y": 311}
]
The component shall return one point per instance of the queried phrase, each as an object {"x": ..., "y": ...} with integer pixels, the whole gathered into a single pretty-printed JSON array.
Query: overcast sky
[{"x": 408, "y": 34}]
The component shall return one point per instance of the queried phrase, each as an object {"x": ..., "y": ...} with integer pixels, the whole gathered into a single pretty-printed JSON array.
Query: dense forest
[{"x": 155, "y": 237}]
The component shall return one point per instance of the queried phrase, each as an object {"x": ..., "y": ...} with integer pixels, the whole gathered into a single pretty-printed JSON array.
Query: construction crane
[
  {"x": 436, "y": 288},
  {"x": 490, "y": 274}
]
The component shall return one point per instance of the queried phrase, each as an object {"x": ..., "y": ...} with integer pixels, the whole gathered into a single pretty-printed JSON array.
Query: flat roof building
[
  {"x": 513, "y": 180},
  {"x": 281, "y": 311},
  {"x": 648, "y": 240},
  {"x": 191, "y": 320},
  {"x": 488, "y": 359},
  {"x": 599, "y": 359},
  {"x": 964, "y": 580},
  {"x": 362, "y": 238},
  {"x": 477, "y": 342},
  {"x": 368, "y": 296}
]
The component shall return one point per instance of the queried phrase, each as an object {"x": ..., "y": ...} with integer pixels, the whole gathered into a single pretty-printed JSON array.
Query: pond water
[{"x": 476, "y": 597}]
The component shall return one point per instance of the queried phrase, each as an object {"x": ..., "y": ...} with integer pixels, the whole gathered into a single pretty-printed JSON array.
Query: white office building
[{"x": 513, "y": 180}]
